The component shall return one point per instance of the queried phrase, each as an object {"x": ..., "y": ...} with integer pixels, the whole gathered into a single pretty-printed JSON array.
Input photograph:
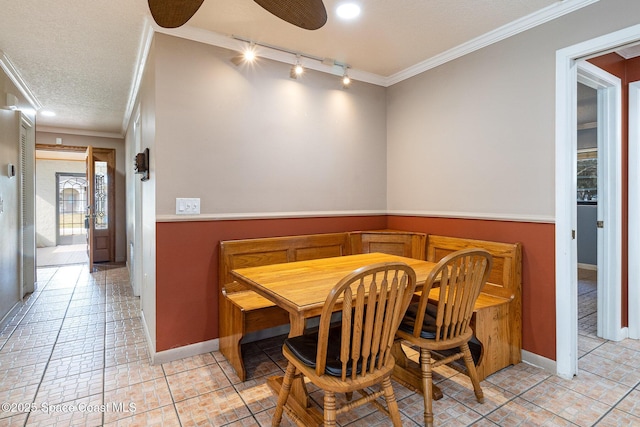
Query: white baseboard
[
  {"x": 541, "y": 362},
  {"x": 172, "y": 354},
  {"x": 185, "y": 351}
]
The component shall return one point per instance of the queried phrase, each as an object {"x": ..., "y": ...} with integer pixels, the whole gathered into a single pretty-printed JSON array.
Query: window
[{"x": 587, "y": 172}]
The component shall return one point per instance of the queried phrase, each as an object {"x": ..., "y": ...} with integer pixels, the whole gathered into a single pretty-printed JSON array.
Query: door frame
[
  {"x": 609, "y": 290},
  {"x": 96, "y": 150},
  {"x": 634, "y": 209},
  {"x": 567, "y": 62}
]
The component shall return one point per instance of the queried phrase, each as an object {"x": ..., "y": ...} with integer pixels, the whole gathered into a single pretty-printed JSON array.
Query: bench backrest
[
  {"x": 407, "y": 244},
  {"x": 505, "y": 279},
  {"x": 275, "y": 250}
]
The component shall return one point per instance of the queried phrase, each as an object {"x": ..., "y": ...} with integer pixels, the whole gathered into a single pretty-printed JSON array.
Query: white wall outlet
[{"x": 187, "y": 206}]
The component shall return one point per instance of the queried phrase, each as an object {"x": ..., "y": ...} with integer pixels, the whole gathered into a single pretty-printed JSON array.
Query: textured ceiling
[{"x": 79, "y": 57}]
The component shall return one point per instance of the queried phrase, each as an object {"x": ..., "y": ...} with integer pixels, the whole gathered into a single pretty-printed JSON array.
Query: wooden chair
[
  {"x": 355, "y": 353},
  {"x": 459, "y": 277}
]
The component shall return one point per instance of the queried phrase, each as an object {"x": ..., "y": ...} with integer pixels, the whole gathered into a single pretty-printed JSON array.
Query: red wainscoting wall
[
  {"x": 538, "y": 268},
  {"x": 187, "y": 268}
]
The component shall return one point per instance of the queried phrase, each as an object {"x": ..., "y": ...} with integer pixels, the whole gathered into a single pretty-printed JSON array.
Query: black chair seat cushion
[
  {"x": 305, "y": 348},
  {"x": 428, "y": 325}
]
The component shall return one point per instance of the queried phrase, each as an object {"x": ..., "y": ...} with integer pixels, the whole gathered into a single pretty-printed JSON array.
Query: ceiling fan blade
[
  {"x": 307, "y": 14},
  {"x": 173, "y": 13}
]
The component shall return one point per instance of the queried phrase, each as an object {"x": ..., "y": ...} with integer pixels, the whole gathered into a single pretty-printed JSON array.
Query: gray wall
[
  {"x": 10, "y": 286},
  {"x": 477, "y": 135},
  {"x": 587, "y": 239},
  {"x": 249, "y": 140}
]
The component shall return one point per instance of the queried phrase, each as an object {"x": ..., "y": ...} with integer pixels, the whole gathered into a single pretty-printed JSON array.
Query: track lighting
[
  {"x": 247, "y": 56},
  {"x": 327, "y": 65},
  {"x": 297, "y": 69},
  {"x": 346, "y": 80}
]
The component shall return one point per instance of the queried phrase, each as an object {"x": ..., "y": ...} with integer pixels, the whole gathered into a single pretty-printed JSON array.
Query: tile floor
[{"x": 76, "y": 354}]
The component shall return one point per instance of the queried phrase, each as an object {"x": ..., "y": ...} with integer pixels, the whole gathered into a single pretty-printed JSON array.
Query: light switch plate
[{"x": 187, "y": 206}]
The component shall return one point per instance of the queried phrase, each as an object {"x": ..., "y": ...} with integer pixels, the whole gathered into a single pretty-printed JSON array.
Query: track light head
[
  {"x": 296, "y": 70},
  {"x": 346, "y": 80}
]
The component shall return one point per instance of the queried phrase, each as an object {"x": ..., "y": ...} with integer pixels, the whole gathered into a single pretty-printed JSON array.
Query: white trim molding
[
  {"x": 16, "y": 79},
  {"x": 566, "y": 143},
  {"x": 541, "y": 362},
  {"x": 312, "y": 214},
  {"x": 546, "y": 14},
  {"x": 264, "y": 215},
  {"x": 184, "y": 351},
  {"x": 488, "y": 216},
  {"x": 81, "y": 132},
  {"x": 634, "y": 210}
]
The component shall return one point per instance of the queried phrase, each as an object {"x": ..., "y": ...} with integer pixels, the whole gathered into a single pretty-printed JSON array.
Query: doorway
[
  {"x": 62, "y": 200},
  {"x": 568, "y": 64}
]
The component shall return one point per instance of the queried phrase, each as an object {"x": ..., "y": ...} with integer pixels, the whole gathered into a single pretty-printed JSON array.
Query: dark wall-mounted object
[{"x": 142, "y": 164}]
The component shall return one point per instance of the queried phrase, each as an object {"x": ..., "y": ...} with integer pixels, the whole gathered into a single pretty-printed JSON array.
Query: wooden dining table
[{"x": 301, "y": 289}]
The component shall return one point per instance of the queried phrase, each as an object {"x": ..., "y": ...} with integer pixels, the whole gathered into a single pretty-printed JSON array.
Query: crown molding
[
  {"x": 511, "y": 29},
  {"x": 70, "y": 131},
  {"x": 143, "y": 53},
  {"x": 18, "y": 81},
  {"x": 520, "y": 25}
]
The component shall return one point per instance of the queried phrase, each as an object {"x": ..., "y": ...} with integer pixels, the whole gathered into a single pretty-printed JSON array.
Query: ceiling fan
[{"x": 307, "y": 14}]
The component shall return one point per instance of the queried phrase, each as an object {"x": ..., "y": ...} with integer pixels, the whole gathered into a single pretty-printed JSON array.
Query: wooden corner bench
[
  {"x": 242, "y": 311},
  {"x": 497, "y": 318}
]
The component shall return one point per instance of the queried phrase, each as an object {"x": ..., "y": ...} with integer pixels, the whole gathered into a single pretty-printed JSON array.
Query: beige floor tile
[
  {"x": 196, "y": 382},
  {"x": 617, "y": 418},
  {"x": 569, "y": 404},
  {"x": 16, "y": 398},
  {"x": 83, "y": 412},
  {"x": 520, "y": 412},
  {"x": 593, "y": 386},
  {"x": 264, "y": 419},
  {"x": 128, "y": 337},
  {"x": 188, "y": 363},
  {"x": 217, "y": 408},
  {"x": 20, "y": 358},
  {"x": 17, "y": 420},
  {"x": 70, "y": 387},
  {"x": 126, "y": 354},
  {"x": 460, "y": 388},
  {"x": 80, "y": 332},
  {"x": 587, "y": 344},
  {"x": 257, "y": 395},
  {"x": 137, "y": 398},
  {"x": 165, "y": 416},
  {"x": 631, "y": 403},
  {"x": 519, "y": 378},
  {"x": 87, "y": 344},
  {"x": 74, "y": 365},
  {"x": 447, "y": 411},
  {"x": 21, "y": 376},
  {"x": 128, "y": 374},
  {"x": 607, "y": 368}
]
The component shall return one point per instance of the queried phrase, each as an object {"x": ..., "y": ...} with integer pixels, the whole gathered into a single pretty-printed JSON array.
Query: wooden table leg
[{"x": 408, "y": 373}]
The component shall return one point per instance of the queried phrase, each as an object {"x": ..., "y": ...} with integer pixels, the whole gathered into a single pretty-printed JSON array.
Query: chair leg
[
  {"x": 427, "y": 385},
  {"x": 329, "y": 408},
  {"x": 284, "y": 394},
  {"x": 392, "y": 404},
  {"x": 473, "y": 374}
]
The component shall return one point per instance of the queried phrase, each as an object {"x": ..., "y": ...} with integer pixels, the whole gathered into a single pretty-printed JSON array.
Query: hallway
[{"x": 77, "y": 349}]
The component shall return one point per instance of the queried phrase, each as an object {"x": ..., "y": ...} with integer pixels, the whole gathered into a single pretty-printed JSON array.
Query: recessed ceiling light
[
  {"x": 47, "y": 113},
  {"x": 348, "y": 10}
]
